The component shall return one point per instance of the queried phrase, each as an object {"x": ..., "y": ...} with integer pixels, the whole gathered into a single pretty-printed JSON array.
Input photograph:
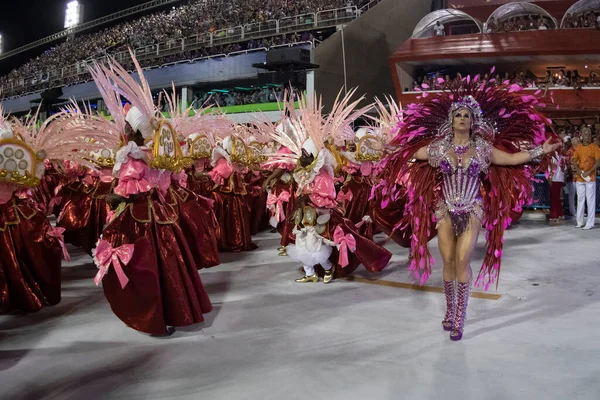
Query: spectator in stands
[
  {"x": 439, "y": 29},
  {"x": 197, "y": 17},
  {"x": 542, "y": 24},
  {"x": 585, "y": 161}
]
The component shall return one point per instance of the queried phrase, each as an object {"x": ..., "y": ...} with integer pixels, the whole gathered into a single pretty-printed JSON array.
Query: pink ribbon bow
[
  {"x": 55, "y": 201},
  {"x": 277, "y": 201},
  {"x": 344, "y": 243},
  {"x": 107, "y": 255},
  {"x": 343, "y": 197},
  {"x": 58, "y": 233}
]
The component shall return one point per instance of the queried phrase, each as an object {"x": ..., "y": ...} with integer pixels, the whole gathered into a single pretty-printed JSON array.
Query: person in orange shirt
[{"x": 586, "y": 160}]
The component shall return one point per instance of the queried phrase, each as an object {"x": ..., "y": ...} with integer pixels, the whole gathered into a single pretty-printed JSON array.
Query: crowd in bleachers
[
  {"x": 514, "y": 24},
  {"x": 238, "y": 97},
  {"x": 562, "y": 78},
  {"x": 587, "y": 19},
  {"x": 198, "y": 17}
]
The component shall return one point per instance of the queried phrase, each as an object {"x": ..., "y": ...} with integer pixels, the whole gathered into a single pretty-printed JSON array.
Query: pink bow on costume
[
  {"x": 106, "y": 255},
  {"x": 58, "y": 233},
  {"x": 344, "y": 243},
  {"x": 343, "y": 197},
  {"x": 55, "y": 201},
  {"x": 277, "y": 201}
]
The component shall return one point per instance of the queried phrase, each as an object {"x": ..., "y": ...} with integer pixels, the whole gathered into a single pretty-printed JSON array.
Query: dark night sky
[{"x": 24, "y": 21}]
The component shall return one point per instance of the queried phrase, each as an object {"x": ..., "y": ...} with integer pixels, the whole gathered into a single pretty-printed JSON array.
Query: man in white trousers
[{"x": 586, "y": 160}]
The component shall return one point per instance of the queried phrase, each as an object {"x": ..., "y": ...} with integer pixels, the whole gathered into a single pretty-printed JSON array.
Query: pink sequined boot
[
  {"x": 450, "y": 292},
  {"x": 462, "y": 293}
]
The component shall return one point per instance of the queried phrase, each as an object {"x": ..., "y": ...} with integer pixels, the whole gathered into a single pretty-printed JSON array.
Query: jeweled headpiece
[
  {"x": 480, "y": 125},
  {"x": 470, "y": 104}
]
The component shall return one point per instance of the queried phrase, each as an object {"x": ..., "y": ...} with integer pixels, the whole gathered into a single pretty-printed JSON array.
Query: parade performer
[
  {"x": 31, "y": 248},
  {"x": 230, "y": 165},
  {"x": 85, "y": 211},
  {"x": 147, "y": 270},
  {"x": 314, "y": 176},
  {"x": 281, "y": 189},
  {"x": 462, "y": 151},
  {"x": 196, "y": 212}
]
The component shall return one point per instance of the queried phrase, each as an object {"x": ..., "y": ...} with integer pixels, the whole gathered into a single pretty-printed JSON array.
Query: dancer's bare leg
[
  {"x": 447, "y": 245},
  {"x": 465, "y": 246}
]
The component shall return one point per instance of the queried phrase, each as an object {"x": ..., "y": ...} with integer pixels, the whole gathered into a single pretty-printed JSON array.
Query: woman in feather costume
[
  {"x": 462, "y": 152},
  {"x": 318, "y": 217},
  {"x": 31, "y": 248},
  {"x": 147, "y": 270}
]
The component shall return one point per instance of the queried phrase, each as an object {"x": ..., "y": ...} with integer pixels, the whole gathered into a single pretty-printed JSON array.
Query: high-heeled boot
[
  {"x": 463, "y": 290},
  {"x": 450, "y": 292}
]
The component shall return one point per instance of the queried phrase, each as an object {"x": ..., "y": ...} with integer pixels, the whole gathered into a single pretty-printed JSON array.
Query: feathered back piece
[
  {"x": 503, "y": 116},
  {"x": 144, "y": 114},
  {"x": 311, "y": 127},
  {"x": 387, "y": 119},
  {"x": 97, "y": 129},
  {"x": 112, "y": 100},
  {"x": 58, "y": 138}
]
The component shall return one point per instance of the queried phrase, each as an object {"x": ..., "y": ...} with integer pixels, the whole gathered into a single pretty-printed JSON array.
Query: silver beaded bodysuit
[{"x": 461, "y": 185}]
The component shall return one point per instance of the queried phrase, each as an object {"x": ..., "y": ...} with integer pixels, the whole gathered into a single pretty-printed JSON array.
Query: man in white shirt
[{"x": 439, "y": 29}]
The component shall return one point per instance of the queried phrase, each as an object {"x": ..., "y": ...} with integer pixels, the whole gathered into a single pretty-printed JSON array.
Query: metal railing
[
  {"x": 89, "y": 25},
  {"x": 541, "y": 195},
  {"x": 259, "y": 30}
]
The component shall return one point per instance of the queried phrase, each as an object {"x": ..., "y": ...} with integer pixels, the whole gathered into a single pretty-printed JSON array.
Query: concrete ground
[{"x": 270, "y": 338}]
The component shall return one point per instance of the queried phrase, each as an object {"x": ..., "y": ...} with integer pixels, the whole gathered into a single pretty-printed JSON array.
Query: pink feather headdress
[
  {"x": 310, "y": 129},
  {"x": 144, "y": 114}
]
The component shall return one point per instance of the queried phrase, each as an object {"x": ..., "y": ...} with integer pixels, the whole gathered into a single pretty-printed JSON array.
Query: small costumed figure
[
  {"x": 315, "y": 179},
  {"x": 462, "y": 152},
  {"x": 311, "y": 249}
]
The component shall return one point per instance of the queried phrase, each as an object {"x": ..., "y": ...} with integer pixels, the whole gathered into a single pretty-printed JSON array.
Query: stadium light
[{"x": 72, "y": 14}]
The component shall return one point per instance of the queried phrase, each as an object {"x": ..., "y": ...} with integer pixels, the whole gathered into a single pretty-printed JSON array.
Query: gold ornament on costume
[
  {"x": 256, "y": 153},
  {"x": 200, "y": 148},
  {"x": 103, "y": 158},
  {"x": 18, "y": 163},
  {"x": 167, "y": 151},
  {"x": 365, "y": 151},
  {"x": 239, "y": 150},
  {"x": 340, "y": 161}
]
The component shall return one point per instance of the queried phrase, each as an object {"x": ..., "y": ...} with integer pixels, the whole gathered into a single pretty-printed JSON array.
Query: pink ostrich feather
[
  {"x": 308, "y": 121},
  {"x": 60, "y": 137},
  {"x": 138, "y": 93},
  {"x": 112, "y": 99},
  {"x": 108, "y": 134}
]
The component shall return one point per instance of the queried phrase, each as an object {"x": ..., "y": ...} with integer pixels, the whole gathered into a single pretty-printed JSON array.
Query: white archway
[
  {"x": 443, "y": 16},
  {"x": 509, "y": 10},
  {"x": 580, "y": 7}
]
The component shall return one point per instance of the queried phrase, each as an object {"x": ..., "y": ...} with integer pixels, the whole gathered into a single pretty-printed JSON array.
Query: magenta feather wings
[{"x": 516, "y": 123}]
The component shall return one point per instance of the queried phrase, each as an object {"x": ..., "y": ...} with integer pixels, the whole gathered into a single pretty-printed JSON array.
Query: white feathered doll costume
[{"x": 317, "y": 217}]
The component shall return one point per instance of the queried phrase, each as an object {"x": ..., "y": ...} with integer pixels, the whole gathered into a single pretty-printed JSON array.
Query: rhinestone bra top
[{"x": 461, "y": 183}]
